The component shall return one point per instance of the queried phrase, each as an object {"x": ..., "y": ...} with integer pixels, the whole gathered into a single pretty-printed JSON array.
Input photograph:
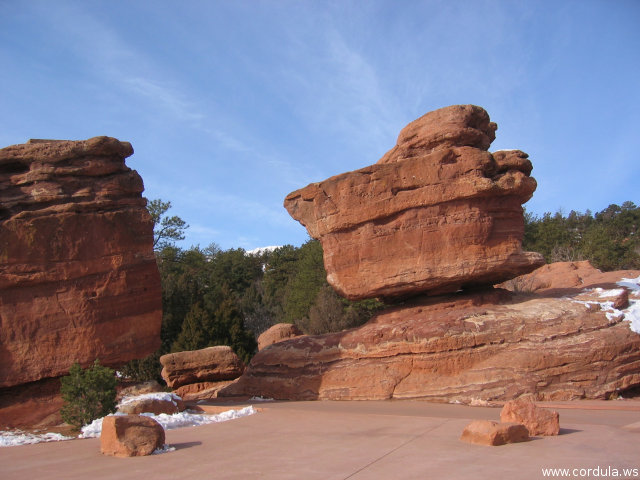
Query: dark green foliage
[
  {"x": 308, "y": 278},
  {"x": 610, "y": 239},
  {"x": 166, "y": 230},
  {"x": 215, "y": 297},
  {"x": 87, "y": 394},
  {"x": 142, "y": 370}
]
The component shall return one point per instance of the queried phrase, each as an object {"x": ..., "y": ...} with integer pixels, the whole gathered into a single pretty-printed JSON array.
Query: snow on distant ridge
[{"x": 261, "y": 250}]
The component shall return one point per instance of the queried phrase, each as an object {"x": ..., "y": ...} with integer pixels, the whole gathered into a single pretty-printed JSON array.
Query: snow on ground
[
  {"x": 177, "y": 420},
  {"x": 630, "y": 314},
  {"x": 18, "y": 437},
  {"x": 187, "y": 418},
  {"x": 162, "y": 396}
]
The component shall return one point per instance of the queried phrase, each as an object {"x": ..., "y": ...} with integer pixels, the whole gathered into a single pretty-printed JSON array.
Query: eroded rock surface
[
  {"x": 78, "y": 278},
  {"x": 483, "y": 346},
  {"x": 539, "y": 421},
  {"x": 435, "y": 214},
  {"x": 211, "y": 364},
  {"x": 493, "y": 434},
  {"x": 130, "y": 436},
  {"x": 278, "y": 333}
]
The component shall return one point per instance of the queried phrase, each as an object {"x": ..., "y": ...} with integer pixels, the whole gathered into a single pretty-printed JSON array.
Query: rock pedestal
[{"x": 487, "y": 346}]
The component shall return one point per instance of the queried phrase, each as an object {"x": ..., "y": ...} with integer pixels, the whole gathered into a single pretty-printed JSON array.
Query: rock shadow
[{"x": 184, "y": 445}]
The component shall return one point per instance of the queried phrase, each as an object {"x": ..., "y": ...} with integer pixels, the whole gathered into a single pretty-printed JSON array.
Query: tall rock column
[{"x": 78, "y": 278}]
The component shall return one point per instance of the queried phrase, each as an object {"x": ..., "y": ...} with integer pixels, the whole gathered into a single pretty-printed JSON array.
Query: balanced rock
[
  {"x": 209, "y": 364},
  {"x": 454, "y": 126},
  {"x": 78, "y": 277},
  {"x": 435, "y": 214},
  {"x": 130, "y": 436},
  {"x": 539, "y": 421},
  {"x": 487, "y": 432},
  {"x": 278, "y": 333},
  {"x": 468, "y": 347}
]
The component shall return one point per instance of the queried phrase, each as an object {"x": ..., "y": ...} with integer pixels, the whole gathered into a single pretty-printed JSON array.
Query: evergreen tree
[{"x": 87, "y": 394}]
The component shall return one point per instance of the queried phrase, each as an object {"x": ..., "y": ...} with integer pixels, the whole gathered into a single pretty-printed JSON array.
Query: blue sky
[{"x": 231, "y": 105}]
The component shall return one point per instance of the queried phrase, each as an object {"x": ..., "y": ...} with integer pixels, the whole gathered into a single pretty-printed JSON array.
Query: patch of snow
[
  {"x": 609, "y": 293},
  {"x": 261, "y": 399},
  {"x": 164, "y": 449},
  {"x": 630, "y": 314},
  {"x": 18, "y": 437},
  {"x": 161, "y": 396},
  {"x": 261, "y": 250},
  {"x": 632, "y": 284},
  {"x": 177, "y": 420}
]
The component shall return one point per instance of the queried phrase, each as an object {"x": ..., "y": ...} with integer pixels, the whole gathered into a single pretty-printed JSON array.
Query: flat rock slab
[{"x": 493, "y": 434}]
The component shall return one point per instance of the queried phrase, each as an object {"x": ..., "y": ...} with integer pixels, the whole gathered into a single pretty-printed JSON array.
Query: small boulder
[
  {"x": 487, "y": 432},
  {"x": 278, "y": 333},
  {"x": 130, "y": 436},
  {"x": 155, "y": 403},
  {"x": 539, "y": 421}
]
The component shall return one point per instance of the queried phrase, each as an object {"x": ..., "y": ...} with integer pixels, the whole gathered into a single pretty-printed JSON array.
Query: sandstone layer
[
  {"x": 437, "y": 213},
  {"x": 211, "y": 364},
  {"x": 78, "y": 278},
  {"x": 468, "y": 347}
]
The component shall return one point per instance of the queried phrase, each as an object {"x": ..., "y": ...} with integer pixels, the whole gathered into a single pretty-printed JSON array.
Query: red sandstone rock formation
[
  {"x": 210, "y": 364},
  {"x": 491, "y": 346},
  {"x": 278, "y": 333},
  {"x": 435, "y": 214},
  {"x": 78, "y": 278},
  {"x": 130, "y": 436},
  {"x": 493, "y": 434},
  {"x": 539, "y": 421},
  {"x": 566, "y": 278}
]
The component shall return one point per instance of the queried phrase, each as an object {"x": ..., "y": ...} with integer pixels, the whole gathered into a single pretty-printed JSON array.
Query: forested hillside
[
  {"x": 608, "y": 239},
  {"x": 228, "y": 297}
]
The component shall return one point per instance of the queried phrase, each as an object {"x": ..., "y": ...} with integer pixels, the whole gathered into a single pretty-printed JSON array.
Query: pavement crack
[{"x": 395, "y": 449}]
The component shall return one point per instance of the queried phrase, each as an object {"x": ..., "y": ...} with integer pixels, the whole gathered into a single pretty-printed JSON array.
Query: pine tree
[{"x": 87, "y": 394}]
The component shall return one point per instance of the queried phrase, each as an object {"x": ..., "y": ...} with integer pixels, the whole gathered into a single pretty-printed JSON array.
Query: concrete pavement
[{"x": 349, "y": 440}]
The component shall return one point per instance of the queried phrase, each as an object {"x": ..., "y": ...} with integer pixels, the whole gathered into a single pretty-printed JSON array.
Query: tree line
[
  {"x": 213, "y": 297},
  {"x": 228, "y": 297},
  {"x": 608, "y": 239}
]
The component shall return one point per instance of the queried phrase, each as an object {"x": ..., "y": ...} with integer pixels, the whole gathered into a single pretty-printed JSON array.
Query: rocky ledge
[{"x": 483, "y": 346}]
